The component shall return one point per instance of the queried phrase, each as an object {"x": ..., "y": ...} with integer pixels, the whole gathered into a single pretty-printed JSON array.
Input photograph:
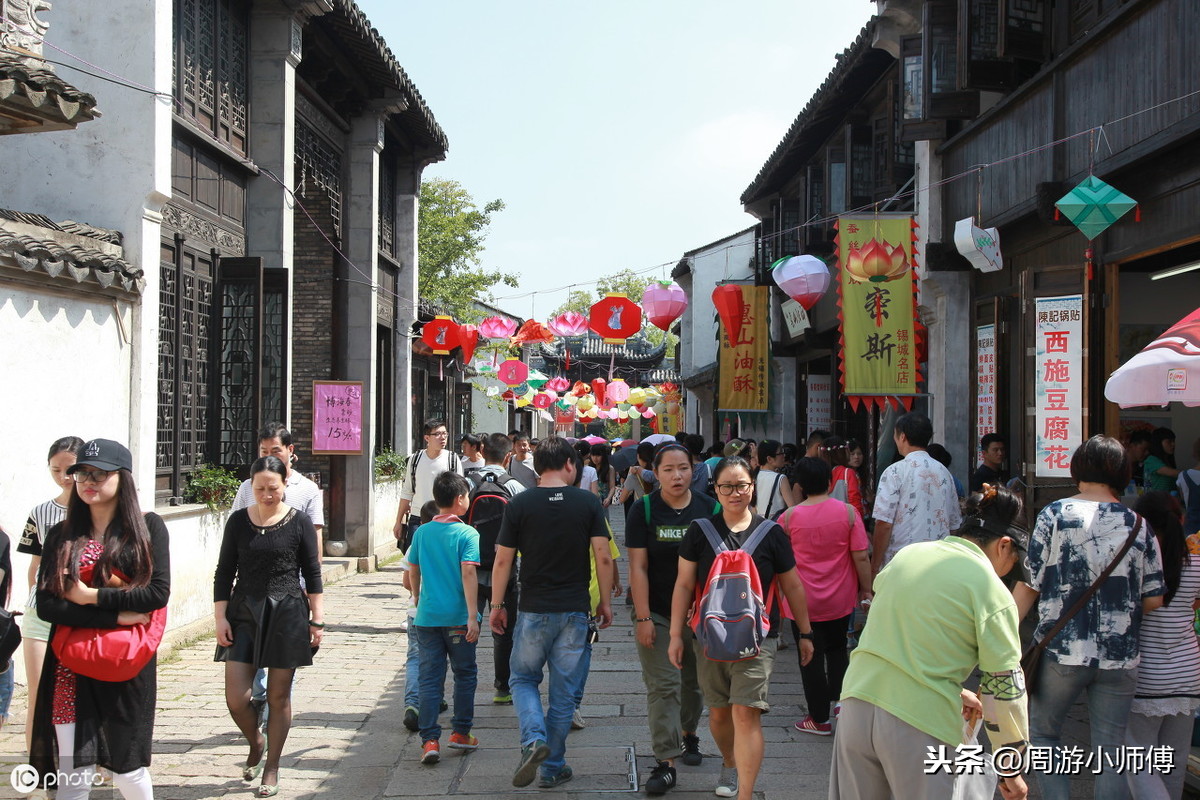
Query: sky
[{"x": 619, "y": 134}]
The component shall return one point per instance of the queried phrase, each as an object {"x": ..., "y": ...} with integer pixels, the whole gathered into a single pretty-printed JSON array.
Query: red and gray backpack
[{"x": 730, "y": 616}]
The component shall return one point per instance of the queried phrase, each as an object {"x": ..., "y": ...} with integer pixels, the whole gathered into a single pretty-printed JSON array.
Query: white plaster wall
[
  {"x": 386, "y": 499},
  {"x": 487, "y": 415},
  {"x": 195, "y": 545},
  {"x": 727, "y": 260}
]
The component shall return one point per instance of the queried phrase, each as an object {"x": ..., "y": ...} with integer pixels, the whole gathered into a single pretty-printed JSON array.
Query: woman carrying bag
[
  {"x": 1094, "y": 571},
  {"x": 106, "y": 567}
]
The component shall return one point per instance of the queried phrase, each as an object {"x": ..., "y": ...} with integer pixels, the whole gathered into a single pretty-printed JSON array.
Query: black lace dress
[{"x": 267, "y": 609}]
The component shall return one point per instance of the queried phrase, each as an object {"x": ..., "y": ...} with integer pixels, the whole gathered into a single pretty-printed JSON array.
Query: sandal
[
  {"x": 252, "y": 773},
  {"x": 268, "y": 790}
]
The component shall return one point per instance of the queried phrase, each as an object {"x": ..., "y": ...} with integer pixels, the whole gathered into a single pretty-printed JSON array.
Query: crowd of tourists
[{"x": 903, "y": 596}]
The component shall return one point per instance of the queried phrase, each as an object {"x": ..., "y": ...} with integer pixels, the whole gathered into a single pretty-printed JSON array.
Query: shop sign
[
  {"x": 1058, "y": 383},
  {"x": 985, "y": 378},
  {"x": 794, "y": 317},
  {"x": 743, "y": 363},
  {"x": 820, "y": 403},
  {"x": 980, "y": 246}
]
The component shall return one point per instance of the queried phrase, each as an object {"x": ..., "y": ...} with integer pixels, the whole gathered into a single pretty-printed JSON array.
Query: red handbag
[{"x": 109, "y": 654}]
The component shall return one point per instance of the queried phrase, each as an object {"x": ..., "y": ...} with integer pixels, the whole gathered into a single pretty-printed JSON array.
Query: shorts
[
  {"x": 33, "y": 626},
  {"x": 738, "y": 683}
]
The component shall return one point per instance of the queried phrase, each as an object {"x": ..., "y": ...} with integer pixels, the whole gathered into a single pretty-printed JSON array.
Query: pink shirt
[{"x": 822, "y": 539}]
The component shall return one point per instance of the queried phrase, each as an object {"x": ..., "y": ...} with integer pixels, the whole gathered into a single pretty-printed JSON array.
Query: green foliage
[
  {"x": 628, "y": 283},
  {"x": 212, "y": 485},
  {"x": 389, "y": 465},
  {"x": 451, "y": 230},
  {"x": 617, "y": 430}
]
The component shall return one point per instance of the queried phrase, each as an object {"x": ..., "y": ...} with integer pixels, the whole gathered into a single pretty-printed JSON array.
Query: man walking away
[{"x": 554, "y": 526}]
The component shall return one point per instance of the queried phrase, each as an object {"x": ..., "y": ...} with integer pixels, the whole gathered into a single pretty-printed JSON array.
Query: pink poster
[{"x": 337, "y": 418}]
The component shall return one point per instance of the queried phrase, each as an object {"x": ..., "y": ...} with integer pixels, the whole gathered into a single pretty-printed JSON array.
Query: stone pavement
[{"x": 347, "y": 738}]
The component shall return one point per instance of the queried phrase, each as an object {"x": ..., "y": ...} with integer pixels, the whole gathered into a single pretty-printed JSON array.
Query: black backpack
[{"x": 489, "y": 498}]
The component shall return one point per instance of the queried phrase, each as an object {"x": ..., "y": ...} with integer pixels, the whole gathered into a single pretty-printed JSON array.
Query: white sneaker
[{"x": 727, "y": 784}]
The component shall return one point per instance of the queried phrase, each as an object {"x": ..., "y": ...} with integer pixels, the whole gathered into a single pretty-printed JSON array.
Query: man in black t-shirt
[
  {"x": 992, "y": 450},
  {"x": 554, "y": 526}
]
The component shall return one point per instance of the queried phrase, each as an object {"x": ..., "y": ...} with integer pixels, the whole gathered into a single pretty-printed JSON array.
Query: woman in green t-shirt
[{"x": 1158, "y": 470}]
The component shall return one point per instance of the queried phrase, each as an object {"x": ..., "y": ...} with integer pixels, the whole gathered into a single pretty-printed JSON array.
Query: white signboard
[
  {"x": 794, "y": 317},
  {"x": 980, "y": 246},
  {"x": 820, "y": 402},
  {"x": 1058, "y": 382},
  {"x": 985, "y": 370}
]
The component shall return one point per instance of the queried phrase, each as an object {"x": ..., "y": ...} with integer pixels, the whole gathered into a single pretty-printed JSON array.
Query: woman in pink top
[{"x": 830, "y": 544}]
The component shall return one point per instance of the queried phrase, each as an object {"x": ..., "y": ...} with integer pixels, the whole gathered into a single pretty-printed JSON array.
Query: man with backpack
[
  {"x": 420, "y": 470},
  {"x": 491, "y": 489}
]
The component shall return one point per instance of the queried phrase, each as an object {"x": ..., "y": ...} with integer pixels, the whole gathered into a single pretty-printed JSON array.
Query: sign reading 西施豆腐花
[{"x": 1058, "y": 383}]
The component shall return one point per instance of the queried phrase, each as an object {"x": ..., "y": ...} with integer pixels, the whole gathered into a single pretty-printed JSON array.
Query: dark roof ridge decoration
[
  {"x": 68, "y": 251},
  {"x": 591, "y": 348},
  {"x": 41, "y": 94},
  {"x": 417, "y": 114},
  {"x": 859, "y": 53}
]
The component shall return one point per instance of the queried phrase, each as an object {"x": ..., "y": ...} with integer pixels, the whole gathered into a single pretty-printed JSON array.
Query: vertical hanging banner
[
  {"x": 337, "y": 418},
  {"x": 1058, "y": 383},
  {"x": 743, "y": 358},
  {"x": 880, "y": 336},
  {"x": 985, "y": 391},
  {"x": 820, "y": 403}
]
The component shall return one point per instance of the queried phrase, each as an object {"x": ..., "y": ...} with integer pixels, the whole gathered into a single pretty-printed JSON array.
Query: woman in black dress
[
  {"x": 83, "y": 721},
  {"x": 266, "y": 620}
]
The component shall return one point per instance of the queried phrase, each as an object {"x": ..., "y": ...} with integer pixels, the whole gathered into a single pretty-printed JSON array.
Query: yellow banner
[
  {"x": 743, "y": 363},
  {"x": 876, "y": 286}
]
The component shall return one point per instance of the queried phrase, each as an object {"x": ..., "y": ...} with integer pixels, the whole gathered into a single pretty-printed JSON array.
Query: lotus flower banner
[{"x": 877, "y": 309}]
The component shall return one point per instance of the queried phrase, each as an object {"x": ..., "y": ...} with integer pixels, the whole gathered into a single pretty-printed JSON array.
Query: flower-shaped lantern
[
  {"x": 497, "y": 327},
  {"x": 568, "y": 323}
]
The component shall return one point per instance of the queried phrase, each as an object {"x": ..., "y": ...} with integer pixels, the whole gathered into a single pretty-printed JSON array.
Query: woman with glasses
[
  {"x": 89, "y": 722},
  {"x": 266, "y": 620},
  {"x": 736, "y": 692},
  {"x": 654, "y": 528},
  {"x": 35, "y": 631}
]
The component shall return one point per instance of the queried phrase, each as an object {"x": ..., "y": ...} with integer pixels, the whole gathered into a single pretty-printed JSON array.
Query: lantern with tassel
[
  {"x": 512, "y": 372},
  {"x": 617, "y": 391},
  {"x": 664, "y": 302},
  {"x": 615, "y": 318},
  {"x": 441, "y": 334}
]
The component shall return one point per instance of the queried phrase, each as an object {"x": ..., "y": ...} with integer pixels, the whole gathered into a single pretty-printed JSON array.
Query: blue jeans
[
  {"x": 412, "y": 668},
  {"x": 6, "y": 690},
  {"x": 585, "y": 667},
  {"x": 557, "y": 641},
  {"x": 1109, "y": 697},
  {"x": 436, "y": 645}
]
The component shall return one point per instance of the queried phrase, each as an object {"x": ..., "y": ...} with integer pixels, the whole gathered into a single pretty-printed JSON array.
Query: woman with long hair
[
  {"x": 607, "y": 482},
  {"x": 35, "y": 631},
  {"x": 266, "y": 620},
  {"x": 836, "y": 452},
  {"x": 1168, "y": 677},
  {"x": 772, "y": 489},
  {"x": 1074, "y": 540},
  {"x": 736, "y": 693},
  {"x": 654, "y": 528},
  {"x": 1159, "y": 469},
  {"x": 830, "y": 545},
  {"x": 83, "y": 721}
]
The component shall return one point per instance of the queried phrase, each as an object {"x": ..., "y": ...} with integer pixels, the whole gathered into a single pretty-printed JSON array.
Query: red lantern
[
  {"x": 664, "y": 302},
  {"x": 803, "y": 278},
  {"x": 441, "y": 334},
  {"x": 512, "y": 372},
  {"x": 730, "y": 305},
  {"x": 532, "y": 332},
  {"x": 615, "y": 318},
  {"x": 598, "y": 390},
  {"x": 468, "y": 337}
]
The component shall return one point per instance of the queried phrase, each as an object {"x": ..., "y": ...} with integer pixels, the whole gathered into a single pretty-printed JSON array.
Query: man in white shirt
[
  {"x": 417, "y": 488},
  {"x": 916, "y": 500},
  {"x": 520, "y": 462}
]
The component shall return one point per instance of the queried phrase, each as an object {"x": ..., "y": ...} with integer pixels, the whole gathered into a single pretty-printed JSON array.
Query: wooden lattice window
[
  {"x": 319, "y": 166},
  {"x": 210, "y": 67}
]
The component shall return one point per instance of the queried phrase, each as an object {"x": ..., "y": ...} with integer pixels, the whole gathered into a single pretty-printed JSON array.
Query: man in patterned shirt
[{"x": 916, "y": 500}]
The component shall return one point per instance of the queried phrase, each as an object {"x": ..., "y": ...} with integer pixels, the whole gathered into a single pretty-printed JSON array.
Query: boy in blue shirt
[{"x": 443, "y": 558}]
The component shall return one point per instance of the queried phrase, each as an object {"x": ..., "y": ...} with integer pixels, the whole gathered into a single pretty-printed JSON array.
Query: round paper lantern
[
  {"x": 637, "y": 396},
  {"x": 805, "y": 279},
  {"x": 648, "y": 413},
  {"x": 558, "y": 384},
  {"x": 441, "y": 334},
  {"x": 877, "y": 262},
  {"x": 617, "y": 391},
  {"x": 497, "y": 327},
  {"x": 512, "y": 372},
  {"x": 664, "y": 302},
  {"x": 615, "y": 318},
  {"x": 585, "y": 402},
  {"x": 568, "y": 323}
]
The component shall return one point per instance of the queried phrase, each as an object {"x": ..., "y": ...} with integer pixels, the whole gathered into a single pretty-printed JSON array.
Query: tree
[{"x": 451, "y": 230}]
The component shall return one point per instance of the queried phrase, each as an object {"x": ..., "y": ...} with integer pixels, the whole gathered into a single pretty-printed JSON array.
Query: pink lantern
[
  {"x": 512, "y": 372},
  {"x": 498, "y": 328},
  {"x": 664, "y": 302},
  {"x": 542, "y": 400},
  {"x": 617, "y": 391},
  {"x": 568, "y": 323},
  {"x": 557, "y": 384},
  {"x": 803, "y": 278}
]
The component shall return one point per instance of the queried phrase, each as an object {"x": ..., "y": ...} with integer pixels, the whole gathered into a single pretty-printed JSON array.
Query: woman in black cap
[{"x": 107, "y": 565}]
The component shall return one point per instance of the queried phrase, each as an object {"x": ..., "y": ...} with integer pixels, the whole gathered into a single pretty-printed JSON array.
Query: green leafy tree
[{"x": 451, "y": 231}]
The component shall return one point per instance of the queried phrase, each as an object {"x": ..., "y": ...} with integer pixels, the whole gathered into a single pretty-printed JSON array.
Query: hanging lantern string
[
  {"x": 410, "y": 304},
  {"x": 979, "y": 196}
]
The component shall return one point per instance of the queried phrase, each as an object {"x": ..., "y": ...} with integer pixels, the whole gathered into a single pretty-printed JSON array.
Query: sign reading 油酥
[
  {"x": 1058, "y": 383},
  {"x": 985, "y": 372},
  {"x": 743, "y": 363},
  {"x": 337, "y": 418},
  {"x": 820, "y": 402},
  {"x": 876, "y": 286}
]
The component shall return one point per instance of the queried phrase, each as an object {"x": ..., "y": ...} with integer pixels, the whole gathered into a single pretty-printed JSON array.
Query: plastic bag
[{"x": 978, "y": 784}]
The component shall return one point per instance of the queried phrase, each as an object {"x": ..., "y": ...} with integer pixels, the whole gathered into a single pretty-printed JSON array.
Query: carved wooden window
[
  {"x": 208, "y": 182},
  {"x": 1023, "y": 34},
  {"x": 789, "y": 226},
  {"x": 274, "y": 349},
  {"x": 210, "y": 67},
  {"x": 387, "y": 207},
  {"x": 319, "y": 168}
]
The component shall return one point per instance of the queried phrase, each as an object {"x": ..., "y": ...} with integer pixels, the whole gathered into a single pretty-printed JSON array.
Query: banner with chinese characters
[
  {"x": 820, "y": 403},
  {"x": 337, "y": 418},
  {"x": 743, "y": 363},
  {"x": 985, "y": 376},
  {"x": 880, "y": 337},
  {"x": 1058, "y": 383}
]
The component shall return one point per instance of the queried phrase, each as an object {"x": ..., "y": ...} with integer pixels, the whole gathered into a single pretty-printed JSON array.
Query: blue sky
[{"x": 619, "y": 134}]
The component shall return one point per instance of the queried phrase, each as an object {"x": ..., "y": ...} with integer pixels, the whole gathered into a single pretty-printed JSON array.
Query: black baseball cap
[{"x": 103, "y": 454}]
